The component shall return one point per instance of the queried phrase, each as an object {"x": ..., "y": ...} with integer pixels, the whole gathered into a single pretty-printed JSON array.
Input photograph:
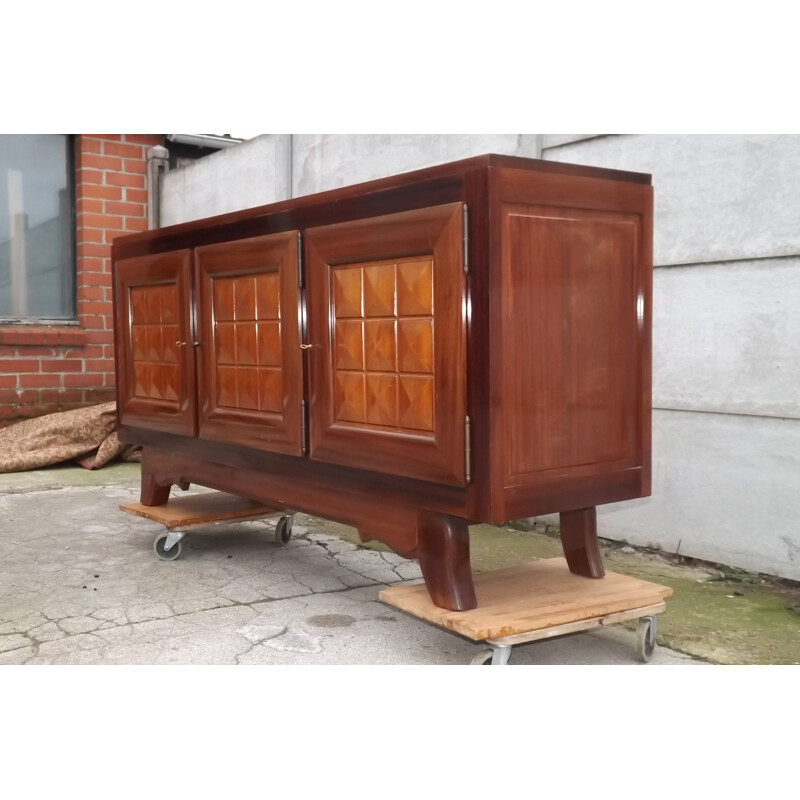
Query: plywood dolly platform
[
  {"x": 540, "y": 600},
  {"x": 181, "y": 514}
]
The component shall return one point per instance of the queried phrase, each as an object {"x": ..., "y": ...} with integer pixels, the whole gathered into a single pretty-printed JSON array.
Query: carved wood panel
[
  {"x": 383, "y": 344},
  {"x": 387, "y": 324},
  {"x": 248, "y": 311},
  {"x": 156, "y": 365}
]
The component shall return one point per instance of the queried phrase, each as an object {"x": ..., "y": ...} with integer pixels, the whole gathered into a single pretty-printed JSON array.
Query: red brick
[
  {"x": 136, "y": 195},
  {"x": 109, "y": 351},
  {"x": 93, "y": 323},
  {"x": 48, "y": 352},
  {"x": 89, "y": 176},
  {"x": 103, "y": 395},
  {"x": 123, "y": 179},
  {"x": 62, "y": 365},
  {"x": 90, "y": 293},
  {"x": 86, "y": 351},
  {"x": 14, "y": 366},
  {"x": 38, "y": 410},
  {"x": 135, "y": 224},
  {"x": 8, "y": 381},
  {"x": 61, "y": 396},
  {"x": 90, "y": 265},
  {"x": 89, "y": 205},
  {"x": 111, "y": 235},
  {"x": 100, "y": 192},
  {"x": 102, "y": 336},
  {"x": 126, "y": 209},
  {"x": 12, "y": 396},
  {"x": 149, "y": 139},
  {"x": 100, "y": 221},
  {"x": 76, "y": 336},
  {"x": 98, "y": 365},
  {"x": 115, "y": 137},
  {"x": 92, "y": 307},
  {"x": 124, "y": 150},
  {"x": 88, "y": 235},
  {"x": 37, "y": 379},
  {"x": 87, "y": 145},
  {"x": 96, "y": 278},
  {"x": 100, "y": 162},
  {"x": 135, "y": 166},
  {"x": 76, "y": 380},
  {"x": 93, "y": 249}
]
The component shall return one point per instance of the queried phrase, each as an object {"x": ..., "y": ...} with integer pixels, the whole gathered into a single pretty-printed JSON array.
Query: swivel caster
[
  {"x": 497, "y": 656},
  {"x": 167, "y": 546},
  {"x": 646, "y": 638},
  {"x": 283, "y": 530}
]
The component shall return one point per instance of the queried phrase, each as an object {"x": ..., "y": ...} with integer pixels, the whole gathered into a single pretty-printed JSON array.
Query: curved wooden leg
[
  {"x": 579, "y": 540},
  {"x": 443, "y": 552},
  {"x": 152, "y": 494}
]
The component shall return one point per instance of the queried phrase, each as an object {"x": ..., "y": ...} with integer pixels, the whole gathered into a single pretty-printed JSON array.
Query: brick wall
[{"x": 44, "y": 369}]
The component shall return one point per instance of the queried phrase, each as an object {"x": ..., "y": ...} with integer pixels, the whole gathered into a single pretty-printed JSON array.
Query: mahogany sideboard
[{"x": 465, "y": 343}]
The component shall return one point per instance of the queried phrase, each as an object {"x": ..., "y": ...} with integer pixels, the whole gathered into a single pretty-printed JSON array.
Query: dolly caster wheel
[
  {"x": 497, "y": 656},
  {"x": 646, "y": 638},
  {"x": 283, "y": 530},
  {"x": 161, "y": 551},
  {"x": 482, "y": 658}
]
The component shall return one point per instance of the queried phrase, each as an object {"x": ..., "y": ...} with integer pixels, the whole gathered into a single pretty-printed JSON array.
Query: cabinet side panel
[
  {"x": 576, "y": 338},
  {"x": 572, "y": 339}
]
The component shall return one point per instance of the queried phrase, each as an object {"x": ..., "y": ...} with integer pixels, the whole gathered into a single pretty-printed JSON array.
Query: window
[{"x": 37, "y": 257}]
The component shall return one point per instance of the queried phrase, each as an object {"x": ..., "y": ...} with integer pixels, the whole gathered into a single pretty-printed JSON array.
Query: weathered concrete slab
[
  {"x": 726, "y": 337},
  {"x": 80, "y": 584}
]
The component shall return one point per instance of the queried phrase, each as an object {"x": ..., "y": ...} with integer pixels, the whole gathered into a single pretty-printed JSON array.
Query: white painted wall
[{"x": 726, "y": 350}]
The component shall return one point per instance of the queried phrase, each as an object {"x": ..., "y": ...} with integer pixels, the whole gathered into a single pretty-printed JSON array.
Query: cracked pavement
[{"x": 80, "y": 584}]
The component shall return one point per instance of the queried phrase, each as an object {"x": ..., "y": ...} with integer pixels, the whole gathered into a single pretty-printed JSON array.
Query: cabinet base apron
[{"x": 440, "y": 542}]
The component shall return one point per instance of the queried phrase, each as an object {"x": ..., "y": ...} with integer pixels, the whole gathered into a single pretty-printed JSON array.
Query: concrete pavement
[{"x": 80, "y": 584}]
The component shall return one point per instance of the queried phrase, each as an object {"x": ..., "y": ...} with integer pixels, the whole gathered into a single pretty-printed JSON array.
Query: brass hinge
[
  {"x": 467, "y": 450},
  {"x": 300, "y": 276},
  {"x": 465, "y": 237},
  {"x": 303, "y": 427}
]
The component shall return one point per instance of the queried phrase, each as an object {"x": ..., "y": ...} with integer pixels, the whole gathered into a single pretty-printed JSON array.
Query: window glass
[{"x": 37, "y": 266}]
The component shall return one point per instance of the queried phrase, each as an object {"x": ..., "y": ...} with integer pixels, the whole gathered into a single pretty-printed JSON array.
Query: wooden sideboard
[{"x": 465, "y": 343}]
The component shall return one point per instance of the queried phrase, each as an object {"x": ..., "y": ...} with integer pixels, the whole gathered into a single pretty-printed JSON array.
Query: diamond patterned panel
[
  {"x": 383, "y": 344},
  {"x": 247, "y": 337},
  {"x": 154, "y": 336}
]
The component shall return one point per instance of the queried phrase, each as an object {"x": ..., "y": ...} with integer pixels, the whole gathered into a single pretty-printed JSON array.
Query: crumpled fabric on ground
[{"x": 85, "y": 435}]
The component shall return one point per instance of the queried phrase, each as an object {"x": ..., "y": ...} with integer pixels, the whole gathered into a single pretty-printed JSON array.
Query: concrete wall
[
  {"x": 251, "y": 174},
  {"x": 726, "y": 369},
  {"x": 726, "y": 346}
]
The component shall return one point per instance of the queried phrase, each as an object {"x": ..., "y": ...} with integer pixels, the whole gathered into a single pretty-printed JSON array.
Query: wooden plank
[
  {"x": 531, "y": 597},
  {"x": 205, "y": 508},
  {"x": 580, "y": 625}
]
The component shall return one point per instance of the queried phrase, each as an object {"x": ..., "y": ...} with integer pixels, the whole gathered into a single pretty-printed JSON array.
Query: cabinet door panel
[
  {"x": 387, "y": 328},
  {"x": 155, "y": 359},
  {"x": 250, "y": 366}
]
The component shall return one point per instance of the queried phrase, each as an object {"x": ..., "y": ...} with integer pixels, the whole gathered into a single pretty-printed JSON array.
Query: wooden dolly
[
  {"x": 540, "y": 600},
  {"x": 182, "y": 514}
]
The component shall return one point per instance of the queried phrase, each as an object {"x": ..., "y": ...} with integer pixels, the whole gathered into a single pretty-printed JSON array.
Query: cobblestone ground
[{"x": 80, "y": 584}]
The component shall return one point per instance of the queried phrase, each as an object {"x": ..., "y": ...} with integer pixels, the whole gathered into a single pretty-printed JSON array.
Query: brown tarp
[{"x": 85, "y": 435}]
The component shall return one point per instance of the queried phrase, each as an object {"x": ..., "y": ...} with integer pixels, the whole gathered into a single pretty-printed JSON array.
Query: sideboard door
[
  {"x": 249, "y": 359},
  {"x": 155, "y": 358},
  {"x": 387, "y": 313}
]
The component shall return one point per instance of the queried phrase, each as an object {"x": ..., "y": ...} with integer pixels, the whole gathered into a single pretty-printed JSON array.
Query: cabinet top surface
[{"x": 454, "y": 170}]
